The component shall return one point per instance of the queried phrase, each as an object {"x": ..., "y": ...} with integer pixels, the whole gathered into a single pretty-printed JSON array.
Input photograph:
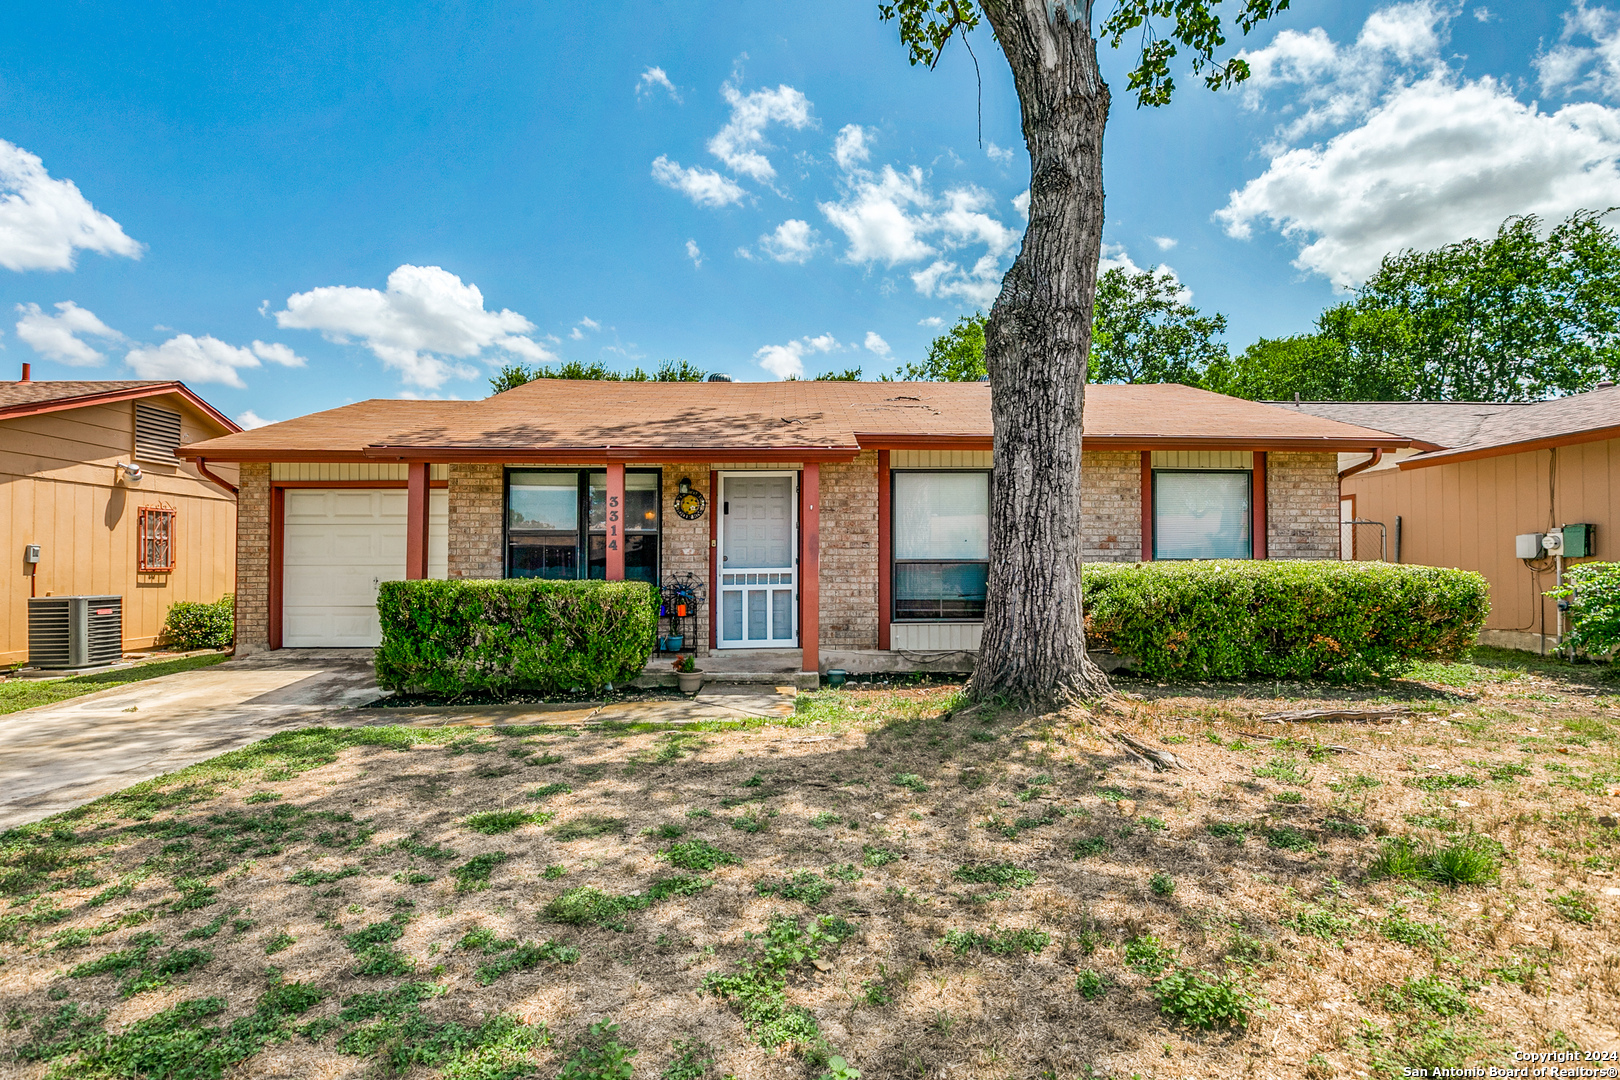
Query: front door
[{"x": 758, "y": 564}]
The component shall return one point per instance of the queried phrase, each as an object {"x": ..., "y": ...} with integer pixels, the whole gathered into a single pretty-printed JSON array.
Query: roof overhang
[
  {"x": 128, "y": 393},
  {"x": 558, "y": 455},
  {"x": 1465, "y": 453}
]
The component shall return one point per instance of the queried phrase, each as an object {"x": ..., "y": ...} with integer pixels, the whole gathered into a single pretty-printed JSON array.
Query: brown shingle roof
[
  {"x": 54, "y": 395},
  {"x": 1587, "y": 417},
  {"x": 1437, "y": 423},
  {"x": 811, "y": 419}
]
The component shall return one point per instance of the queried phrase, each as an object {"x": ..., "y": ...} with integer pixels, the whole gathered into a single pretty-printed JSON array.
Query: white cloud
[
  {"x": 653, "y": 78},
  {"x": 1593, "y": 67},
  {"x": 705, "y": 187},
  {"x": 578, "y": 331},
  {"x": 788, "y": 360},
  {"x": 739, "y": 143},
  {"x": 1021, "y": 204},
  {"x": 874, "y": 217},
  {"x": 744, "y": 253},
  {"x": 43, "y": 221},
  {"x": 932, "y": 320},
  {"x": 277, "y": 354},
  {"x": 875, "y": 344},
  {"x": 793, "y": 241},
  {"x": 57, "y": 337},
  {"x": 998, "y": 154},
  {"x": 1440, "y": 161},
  {"x": 589, "y": 323},
  {"x": 249, "y": 420},
  {"x": 1484, "y": 14},
  {"x": 694, "y": 253},
  {"x": 849, "y": 148},
  {"x": 192, "y": 359},
  {"x": 1327, "y": 84},
  {"x": 425, "y": 321},
  {"x": 1164, "y": 243}
]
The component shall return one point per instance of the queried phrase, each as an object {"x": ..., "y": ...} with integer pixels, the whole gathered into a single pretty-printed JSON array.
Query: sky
[{"x": 295, "y": 206}]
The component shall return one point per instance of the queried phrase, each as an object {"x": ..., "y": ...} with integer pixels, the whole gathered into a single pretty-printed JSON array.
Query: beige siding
[
  {"x": 941, "y": 459},
  {"x": 1203, "y": 459},
  {"x": 1466, "y": 515},
  {"x": 58, "y": 490},
  {"x": 326, "y": 471},
  {"x": 936, "y": 637}
]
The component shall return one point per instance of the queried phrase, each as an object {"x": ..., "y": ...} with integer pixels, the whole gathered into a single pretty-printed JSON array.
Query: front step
[{"x": 664, "y": 676}]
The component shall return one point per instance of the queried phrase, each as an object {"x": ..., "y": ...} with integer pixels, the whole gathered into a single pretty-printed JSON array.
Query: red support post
[
  {"x": 615, "y": 521},
  {"x": 1259, "y": 497},
  {"x": 278, "y": 535},
  {"x": 714, "y": 559},
  {"x": 1147, "y": 506},
  {"x": 885, "y": 551},
  {"x": 416, "y": 521},
  {"x": 810, "y": 569}
]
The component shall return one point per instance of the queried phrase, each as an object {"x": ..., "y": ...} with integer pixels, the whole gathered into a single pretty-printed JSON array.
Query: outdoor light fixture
[
  {"x": 686, "y": 485},
  {"x": 129, "y": 474}
]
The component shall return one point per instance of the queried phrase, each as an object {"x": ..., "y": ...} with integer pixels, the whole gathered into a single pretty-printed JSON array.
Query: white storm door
[
  {"x": 1347, "y": 531},
  {"x": 338, "y": 545},
  {"x": 759, "y": 591}
]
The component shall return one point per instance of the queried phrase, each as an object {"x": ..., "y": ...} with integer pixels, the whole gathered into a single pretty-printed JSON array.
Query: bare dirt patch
[{"x": 919, "y": 888}]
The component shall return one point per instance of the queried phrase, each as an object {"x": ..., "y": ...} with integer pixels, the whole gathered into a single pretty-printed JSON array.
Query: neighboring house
[
  {"x": 849, "y": 519},
  {"x": 169, "y": 537},
  {"x": 1476, "y": 476}
]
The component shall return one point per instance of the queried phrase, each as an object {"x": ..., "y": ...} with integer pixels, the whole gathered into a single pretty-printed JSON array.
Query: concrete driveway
[
  {"x": 56, "y": 757},
  {"x": 59, "y": 756}
]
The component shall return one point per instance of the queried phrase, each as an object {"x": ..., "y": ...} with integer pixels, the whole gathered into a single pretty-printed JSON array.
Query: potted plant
[{"x": 688, "y": 675}]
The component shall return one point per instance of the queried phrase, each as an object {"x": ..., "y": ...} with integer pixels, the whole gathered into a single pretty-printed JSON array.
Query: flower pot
[
  {"x": 675, "y": 643},
  {"x": 663, "y": 644},
  {"x": 691, "y": 681},
  {"x": 836, "y": 677}
]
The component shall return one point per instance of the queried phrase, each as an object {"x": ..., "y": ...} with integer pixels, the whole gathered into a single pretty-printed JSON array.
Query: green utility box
[{"x": 1579, "y": 541}]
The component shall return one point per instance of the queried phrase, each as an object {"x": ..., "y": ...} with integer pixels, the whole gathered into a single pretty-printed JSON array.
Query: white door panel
[
  {"x": 758, "y": 606},
  {"x": 338, "y": 544}
]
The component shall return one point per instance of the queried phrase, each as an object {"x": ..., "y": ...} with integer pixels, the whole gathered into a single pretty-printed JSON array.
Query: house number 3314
[{"x": 613, "y": 523}]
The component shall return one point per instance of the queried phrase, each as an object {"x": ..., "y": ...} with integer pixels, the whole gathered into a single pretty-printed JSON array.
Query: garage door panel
[{"x": 338, "y": 544}]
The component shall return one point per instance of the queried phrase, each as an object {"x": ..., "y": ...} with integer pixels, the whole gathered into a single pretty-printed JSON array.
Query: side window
[
  {"x": 155, "y": 536},
  {"x": 1202, "y": 514},
  {"x": 941, "y": 544}
]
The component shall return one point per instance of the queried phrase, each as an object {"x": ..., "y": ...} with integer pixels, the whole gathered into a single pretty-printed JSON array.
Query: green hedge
[
  {"x": 1593, "y": 592},
  {"x": 1282, "y": 618},
  {"x": 463, "y": 637},
  {"x": 190, "y": 625}
]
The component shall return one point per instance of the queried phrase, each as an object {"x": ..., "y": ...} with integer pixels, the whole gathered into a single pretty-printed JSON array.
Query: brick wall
[
  {"x": 253, "y": 558},
  {"x": 476, "y": 501},
  {"x": 849, "y": 553},
  {"x": 1302, "y": 506},
  {"x": 686, "y": 544},
  {"x": 1111, "y": 505}
]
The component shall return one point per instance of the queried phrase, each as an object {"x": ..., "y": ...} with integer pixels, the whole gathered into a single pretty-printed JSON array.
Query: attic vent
[{"x": 157, "y": 433}]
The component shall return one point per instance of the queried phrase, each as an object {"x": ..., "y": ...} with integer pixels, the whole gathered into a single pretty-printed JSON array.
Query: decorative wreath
[{"x": 690, "y": 505}]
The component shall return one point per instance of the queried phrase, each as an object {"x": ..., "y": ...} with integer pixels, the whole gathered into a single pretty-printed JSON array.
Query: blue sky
[{"x": 295, "y": 206}]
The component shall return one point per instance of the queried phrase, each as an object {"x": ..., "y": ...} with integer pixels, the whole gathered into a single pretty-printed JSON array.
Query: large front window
[
  {"x": 544, "y": 512},
  {"x": 1202, "y": 514},
  {"x": 941, "y": 544}
]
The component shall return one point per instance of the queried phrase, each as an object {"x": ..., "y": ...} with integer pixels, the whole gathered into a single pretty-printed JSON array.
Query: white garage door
[{"x": 339, "y": 544}]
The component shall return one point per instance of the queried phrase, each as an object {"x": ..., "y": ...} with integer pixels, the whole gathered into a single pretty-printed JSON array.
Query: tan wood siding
[
  {"x": 1466, "y": 515},
  {"x": 58, "y": 490}
]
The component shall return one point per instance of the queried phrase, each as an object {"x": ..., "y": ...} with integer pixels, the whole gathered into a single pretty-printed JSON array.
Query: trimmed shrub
[
  {"x": 496, "y": 637},
  {"x": 192, "y": 625},
  {"x": 1593, "y": 592},
  {"x": 1289, "y": 619}
]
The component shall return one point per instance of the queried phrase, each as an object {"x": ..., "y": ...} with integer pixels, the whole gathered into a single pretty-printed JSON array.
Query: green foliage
[
  {"x": 550, "y": 790},
  {"x": 1431, "y": 993},
  {"x": 1143, "y": 332},
  {"x": 1467, "y": 860},
  {"x": 697, "y": 855},
  {"x": 515, "y": 375},
  {"x": 1315, "y": 921},
  {"x": 589, "y": 906},
  {"x": 1417, "y": 934},
  {"x": 1148, "y": 955},
  {"x": 997, "y": 942},
  {"x": 839, "y": 1069},
  {"x": 847, "y": 375},
  {"x": 1444, "y": 782},
  {"x": 1005, "y": 874},
  {"x": 513, "y": 955},
  {"x": 473, "y": 875},
  {"x": 1593, "y": 592},
  {"x": 1087, "y": 846},
  {"x": 193, "y": 625},
  {"x": 1286, "y": 838},
  {"x": 492, "y": 822},
  {"x": 1090, "y": 984},
  {"x": 142, "y": 967},
  {"x": 826, "y": 818},
  {"x": 692, "y": 1061},
  {"x": 587, "y": 827},
  {"x": 1162, "y": 884},
  {"x": 453, "y": 638},
  {"x": 957, "y": 355},
  {"x": 874, "y": 856},
  {"x": 1284, "y": 770},
  {"x": 1203, "y": 1002},
  {"x": 279, "y": 942},
  {"x": 1576, "y": 906},
  {"x": 909, "y": 780},
  {"x": 1517, "y": 317},
  {"x": 806, "y": 886},
  {"x": 1227, "y": 830},
  {"x": 758, "y": 989},
  {"x": 1282, "y": 619}
]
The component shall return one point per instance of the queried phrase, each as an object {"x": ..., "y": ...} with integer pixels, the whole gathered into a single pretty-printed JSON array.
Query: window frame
[
  {"x": 1248, "y": 511},
  {"x": 583, "y": 530},
  {"x": 146, "y": 530},
  {"x": 895, "y": 562}
]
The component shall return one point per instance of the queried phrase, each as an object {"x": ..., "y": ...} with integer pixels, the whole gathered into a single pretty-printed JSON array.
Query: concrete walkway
[{"x": 59, "y": 756}]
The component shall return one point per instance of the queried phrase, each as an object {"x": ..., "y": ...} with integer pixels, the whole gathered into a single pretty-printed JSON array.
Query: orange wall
[
  {"x": 1467, "y": 514},
  {"x": 57, "y": 490}
]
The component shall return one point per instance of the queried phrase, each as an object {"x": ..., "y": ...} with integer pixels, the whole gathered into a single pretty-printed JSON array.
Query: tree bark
[{"x": 1036, "y": 346}]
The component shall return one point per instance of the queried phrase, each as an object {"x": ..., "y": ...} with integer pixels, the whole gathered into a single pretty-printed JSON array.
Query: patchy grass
[
  {"x": 930, "y": 889},
  {"x": 19, "y": 694}
]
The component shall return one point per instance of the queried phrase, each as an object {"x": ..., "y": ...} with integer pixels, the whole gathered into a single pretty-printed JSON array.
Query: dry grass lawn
[{"x": 921, "y": 889}]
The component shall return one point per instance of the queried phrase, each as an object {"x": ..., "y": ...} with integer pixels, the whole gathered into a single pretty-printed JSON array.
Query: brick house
[{"x": 841, "y": 524}]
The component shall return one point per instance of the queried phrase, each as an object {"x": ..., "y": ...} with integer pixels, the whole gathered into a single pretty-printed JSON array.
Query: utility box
[
  {"x": 75, "y": 631},
  {"x": 1527, "y": 546},
  {"x": 1579, "y": 541}
]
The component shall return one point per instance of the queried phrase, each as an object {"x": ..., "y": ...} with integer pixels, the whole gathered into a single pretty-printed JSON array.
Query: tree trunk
[{"x": 1036, "y": 346}]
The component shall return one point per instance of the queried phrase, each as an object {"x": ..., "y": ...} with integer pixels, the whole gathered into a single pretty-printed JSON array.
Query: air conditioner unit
[{"x": 75, "y": 631}]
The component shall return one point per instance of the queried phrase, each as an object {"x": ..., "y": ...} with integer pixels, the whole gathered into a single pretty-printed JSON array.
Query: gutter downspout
[
  {"x": 202, "y": 467},
  {"x": 1377, "y": 456}
]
